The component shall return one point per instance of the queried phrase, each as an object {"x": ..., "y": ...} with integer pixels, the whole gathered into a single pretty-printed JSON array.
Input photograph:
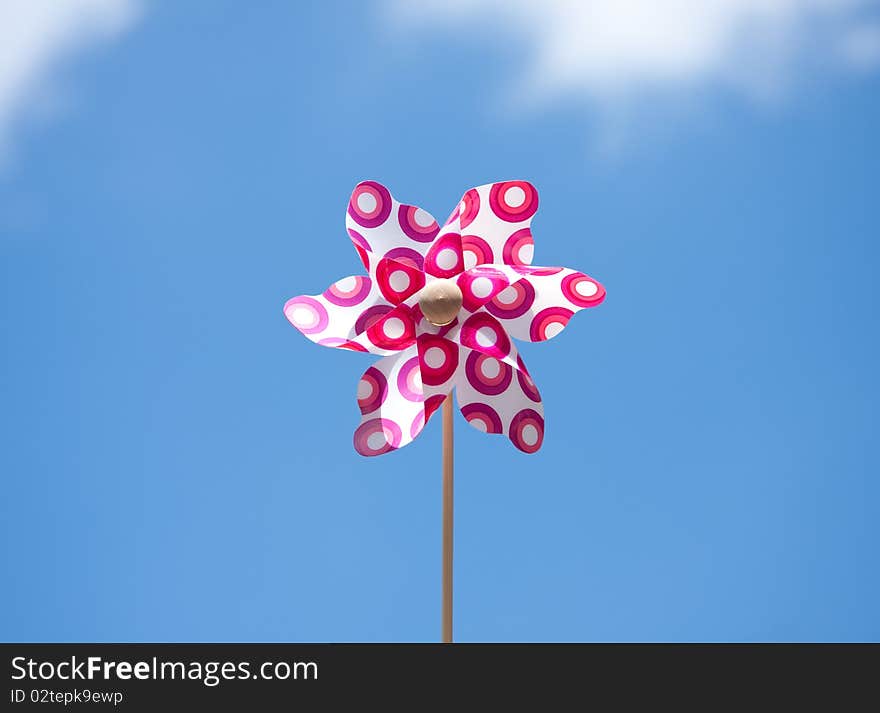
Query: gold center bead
[{"x": 440, "y": 302}]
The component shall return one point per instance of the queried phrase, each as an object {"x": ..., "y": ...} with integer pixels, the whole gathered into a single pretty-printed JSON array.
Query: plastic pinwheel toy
[{"x": 440, "y": 305}]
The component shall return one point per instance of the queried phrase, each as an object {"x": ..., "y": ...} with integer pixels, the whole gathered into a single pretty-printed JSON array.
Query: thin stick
[{"x": 446, "y": 618}]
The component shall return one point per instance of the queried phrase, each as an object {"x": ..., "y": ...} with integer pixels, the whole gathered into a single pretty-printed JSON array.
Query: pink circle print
[
  {"x": 372, "y": 390},
  {"x": 306, "y": 314},
  {"x": 469, "y": 206},
  {"x": 513, "y": 201},
  {"x": 444, "y": 258},
  {"x": 483, "y": 333},
  {"x": 475, "y": 251},
  {"x": 438, "y": 358},
  {"x": 370, "y": 204},
  {"x": 519, "y": 248},
  {"x": 527, "y": 430},
  {"x": 377, "y": 436},
  {"x": 417, "y": 224},
  {"x": 548, "y": 323},
  {"x": 513, "y": 301},
  {"x": 580, "y": 290},
  {"x": 483, "y": 417},
  {"x": 409, "y": 380},
  {"x": 349, "y": 292},
  {"x": 487, "y": 374}
]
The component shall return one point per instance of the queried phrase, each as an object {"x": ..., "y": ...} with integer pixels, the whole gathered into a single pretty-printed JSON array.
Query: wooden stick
[{"x": 446, "y": 617}]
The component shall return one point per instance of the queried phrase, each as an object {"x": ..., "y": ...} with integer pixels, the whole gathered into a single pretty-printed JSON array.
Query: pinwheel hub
[{"x": 440, "y": 302}]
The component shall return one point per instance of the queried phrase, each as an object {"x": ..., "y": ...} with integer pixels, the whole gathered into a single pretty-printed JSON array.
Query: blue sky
[{"x": 177, "y": 460}]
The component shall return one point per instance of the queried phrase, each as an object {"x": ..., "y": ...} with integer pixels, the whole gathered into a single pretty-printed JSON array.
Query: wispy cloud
[
  {"x": 615, "y": 53},
  {"x": 36, "y": 36}
]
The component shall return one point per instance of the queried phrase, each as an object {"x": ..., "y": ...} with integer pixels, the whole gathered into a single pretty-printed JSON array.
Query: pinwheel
[{"x": 440, "y": 305}]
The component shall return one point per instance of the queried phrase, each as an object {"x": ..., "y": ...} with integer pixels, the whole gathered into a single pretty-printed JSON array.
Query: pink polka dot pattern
[
  {"x": 382, "y": 227},
  {"x": 409, "y": 380},
  {"x": 408, "y": 257},
  {"x": 436, "y": 388},
  {"x": 394, "y": 331},
  {"x": 340, "y": 315},
  {"x": 370, "y": 316},
  {"x": 438, "y": 358},
  {"x": 469, "y": 207},
  {"x": 388, "y": 415},
  {"x": 475, "y": 251},
  {"x": 372, "y": 390},
  {"x": 433, "y": 403},
  {"x": 504, "y": 296},
  {"x": 513, "y": 201},
  {"x": 417, "y": 224},
  {"x": 482, "y": 417},
  {"x": 377, "y": 436},
  {"x": 525, "y": 381},
  {"x": 348, "y": 293},
  {"x": 479, "y": 285},
  {"x": 519, "y": 247},
  {"x": 492, "y": 401},
  {"x": 513, "y": 301},
  {"x": 548, "y": 323},
  {"x": 481, "y": 331},
  {"x": 581, "y": 291},
  {"x": 494, "y": 220},
  {"x": 370, "y": 204},
  {"x": 486, "y": 374},
  {"x": 398, "y": 280},
  {"x": 526, "y": 430},
  {"x": 538, "y": 305},
  {"x": 306, "y": 314},
  {"x": 444, "y": 259}
]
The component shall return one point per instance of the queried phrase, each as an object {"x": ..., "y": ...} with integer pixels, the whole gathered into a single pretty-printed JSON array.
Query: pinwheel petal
[
  {"x": 398, "y": 281},
  {"x": 339, "y": 315},
  {"x": 483, "y": 333},
  {"x": 494, "y": 223},
  {"x": 497, "y": 397},
  {"x": 439, "y": 365},
  {"x": 392, "y": 404},
  {"x": 398, "y": 394},
  {"x": 445, "y": 257},
  {"x": 392, "y": 332},
  {"x": 538, "y": 306},
  {"x": 480, "y": 284},
  {"x": 381, "y": 227}
]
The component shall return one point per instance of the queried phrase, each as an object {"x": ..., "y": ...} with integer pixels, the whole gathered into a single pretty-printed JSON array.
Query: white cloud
[
  {"x": 616, "y": 52},
  {"x": 36, "y": 35}
]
